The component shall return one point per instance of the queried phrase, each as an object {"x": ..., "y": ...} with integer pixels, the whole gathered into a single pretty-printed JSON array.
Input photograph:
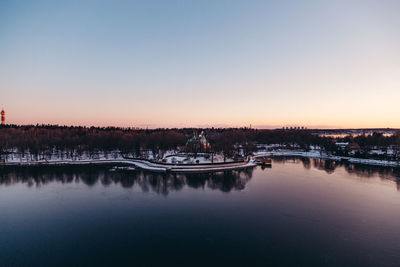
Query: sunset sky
[{"x": 326, "y": 64}]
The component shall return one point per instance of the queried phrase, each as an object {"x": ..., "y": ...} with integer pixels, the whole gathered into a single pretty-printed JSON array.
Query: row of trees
[{"x": 45, "y": 139}]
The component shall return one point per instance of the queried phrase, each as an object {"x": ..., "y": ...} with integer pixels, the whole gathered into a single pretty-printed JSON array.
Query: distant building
[
  {"x": 295, "y": 128},
  {"x": 3, "y": 117},
  {"x": 197, "y": 143}
]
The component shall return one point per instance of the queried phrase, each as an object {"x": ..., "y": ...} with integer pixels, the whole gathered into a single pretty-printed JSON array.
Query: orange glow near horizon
[
  {"x": 312, "y": 122},
  {"x": 270, "y": 65},
  {"x": 262, "y": 108}
]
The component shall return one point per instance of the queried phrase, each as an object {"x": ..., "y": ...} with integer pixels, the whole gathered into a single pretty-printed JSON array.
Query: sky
[{"x": 318, "y": 64}]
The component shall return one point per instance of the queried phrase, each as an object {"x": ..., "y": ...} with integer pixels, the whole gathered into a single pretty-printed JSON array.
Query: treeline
[
  {"x": 43, "y": 138},
  {"x": 364, "y": 145},
  {"x": 373, "y": 140},
  {"x": 39, "y": 139}
]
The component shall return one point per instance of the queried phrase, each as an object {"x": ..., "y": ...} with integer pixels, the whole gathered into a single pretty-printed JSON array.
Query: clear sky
[{"x": 201, "y": 63}]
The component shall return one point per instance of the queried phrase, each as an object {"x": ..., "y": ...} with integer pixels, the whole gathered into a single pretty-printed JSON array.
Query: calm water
[{"x": 299, "y": 212}]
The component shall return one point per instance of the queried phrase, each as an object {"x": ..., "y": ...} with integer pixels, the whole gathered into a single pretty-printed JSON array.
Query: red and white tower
[{"x": 3, "y": 117}]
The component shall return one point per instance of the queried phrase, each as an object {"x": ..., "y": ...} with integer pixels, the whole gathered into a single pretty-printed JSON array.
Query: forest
[{"x": 41, "y": 139}]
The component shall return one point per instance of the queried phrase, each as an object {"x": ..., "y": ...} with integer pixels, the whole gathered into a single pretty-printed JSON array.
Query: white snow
[{"x": 178, "y": 161}]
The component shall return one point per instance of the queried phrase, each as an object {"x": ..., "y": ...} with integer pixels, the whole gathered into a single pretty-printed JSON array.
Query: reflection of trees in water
[
  {"x": 385, "y": 173},
  {"x": 224, "y": 181},
  {"x": 363, "y": 171},
  {"x": 306, "y": 163},
  {"x": 160, "y": 183},
  {"x": 328, "y": 166}
]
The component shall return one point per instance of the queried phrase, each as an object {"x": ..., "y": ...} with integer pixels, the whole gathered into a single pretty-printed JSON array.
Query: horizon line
[{"x": 203, "y": 127}]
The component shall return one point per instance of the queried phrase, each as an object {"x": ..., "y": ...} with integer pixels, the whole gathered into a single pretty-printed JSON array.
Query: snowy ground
[
  {"x": 61, "y": 156},
  {"x": 151, "y": 166},
  {"x": 178, "y": 162},
  {"x": 202, "y": 158},
  {"x": 144, "y": 164},
  {"x": 172, "y": 157}
]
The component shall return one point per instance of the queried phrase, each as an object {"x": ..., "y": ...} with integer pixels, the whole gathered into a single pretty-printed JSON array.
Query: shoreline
[
  {"x": 221, "y": 166},
  {"x": 142, "y": 164},
  {"x": 318, "y": 155}
]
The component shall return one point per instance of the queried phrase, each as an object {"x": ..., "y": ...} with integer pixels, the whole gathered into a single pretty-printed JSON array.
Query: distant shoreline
[{"x": 318, "y": 155}]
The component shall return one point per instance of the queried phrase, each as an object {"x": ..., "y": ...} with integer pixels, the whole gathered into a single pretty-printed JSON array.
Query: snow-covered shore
[
  {"x": 177, "y": 163},
  {"x": 139, "y": 163},
  {"x": 63, "y": 162},
  {"x": 151, "y": 166},
  {"x": 322, "y": 155}
]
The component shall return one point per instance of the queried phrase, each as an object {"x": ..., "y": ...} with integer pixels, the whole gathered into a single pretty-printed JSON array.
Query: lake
[{"x": 300, "y": 212}]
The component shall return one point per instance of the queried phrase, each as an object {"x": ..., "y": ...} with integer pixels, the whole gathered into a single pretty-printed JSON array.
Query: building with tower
[
  {"x": 197, "y": 143},
  {"x": 3, "y": 117}
]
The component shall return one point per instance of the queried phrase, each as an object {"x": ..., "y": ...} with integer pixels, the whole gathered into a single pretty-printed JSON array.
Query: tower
[{"x": 3, "y": 117}]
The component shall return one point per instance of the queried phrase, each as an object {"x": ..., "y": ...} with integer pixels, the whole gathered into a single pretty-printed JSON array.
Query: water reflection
[
  {"x": 362, "y": 171},
  {"x": 165, "y": 183},
  {"x": 146, "y": 181}
]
